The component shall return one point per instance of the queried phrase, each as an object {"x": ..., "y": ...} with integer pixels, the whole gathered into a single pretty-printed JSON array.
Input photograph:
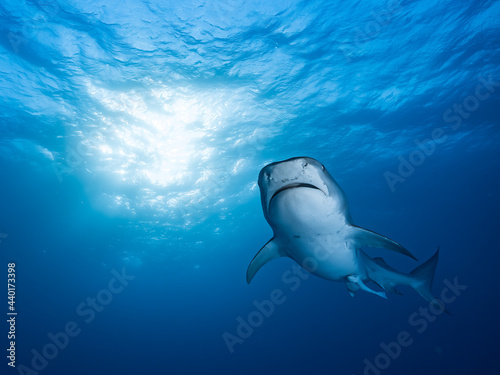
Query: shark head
[{"x": 317, "y": 187}]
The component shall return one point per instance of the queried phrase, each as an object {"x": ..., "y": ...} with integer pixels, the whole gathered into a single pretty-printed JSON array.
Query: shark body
[{"x": 309, "y": 215}]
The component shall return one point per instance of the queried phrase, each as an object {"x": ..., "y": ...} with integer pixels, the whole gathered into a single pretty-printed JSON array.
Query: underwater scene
[{"x": 249, "y": 187}]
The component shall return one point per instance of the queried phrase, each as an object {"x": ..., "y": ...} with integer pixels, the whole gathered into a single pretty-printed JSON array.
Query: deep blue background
[{"x": 132, "y": 134}]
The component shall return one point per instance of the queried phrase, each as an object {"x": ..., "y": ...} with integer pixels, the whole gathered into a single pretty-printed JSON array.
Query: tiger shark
[{"x": 309, "y": 215}]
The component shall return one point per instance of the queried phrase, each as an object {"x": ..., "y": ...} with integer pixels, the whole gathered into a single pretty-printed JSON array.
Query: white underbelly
[
  {"x": 326, "y": 256},
  {"x": 312, "y": 228},
  {"x": 305, "y": 211}
]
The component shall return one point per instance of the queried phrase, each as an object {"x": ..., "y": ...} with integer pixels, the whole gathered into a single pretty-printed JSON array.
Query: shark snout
[{"x": 299, "y": 172}]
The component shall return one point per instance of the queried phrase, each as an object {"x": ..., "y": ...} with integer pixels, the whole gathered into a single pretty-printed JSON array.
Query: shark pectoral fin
[
  {"x": 268, "y": 252},
  {"x": 355, "y": 279},
  {"x": 364, "y": 237}
]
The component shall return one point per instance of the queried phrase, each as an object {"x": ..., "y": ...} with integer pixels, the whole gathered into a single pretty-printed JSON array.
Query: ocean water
[{"x": 131, "y": 137}]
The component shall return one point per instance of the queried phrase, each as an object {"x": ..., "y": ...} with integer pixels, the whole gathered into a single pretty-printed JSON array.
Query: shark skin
[{"x": 309, "y": 215}]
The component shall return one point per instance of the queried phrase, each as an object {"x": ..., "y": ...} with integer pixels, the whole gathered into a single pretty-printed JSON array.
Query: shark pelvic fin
[
  {"x": 364, "y": 237},
  {"x": 352, "y": 288},
  {"x": 268, "y": 252},
  {"x": 355, "y": 279}
]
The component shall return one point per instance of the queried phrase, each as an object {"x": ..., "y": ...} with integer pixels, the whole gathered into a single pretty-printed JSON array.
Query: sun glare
[
  {"x": 157, "y": 142},
  {"x": 160, "y": 148}
]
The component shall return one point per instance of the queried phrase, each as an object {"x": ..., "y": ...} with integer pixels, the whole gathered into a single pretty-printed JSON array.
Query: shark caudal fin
[{"x": 423, "y": 277}]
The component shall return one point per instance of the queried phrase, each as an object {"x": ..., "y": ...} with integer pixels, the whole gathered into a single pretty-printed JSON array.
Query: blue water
[{"x": 132, "y": 133}]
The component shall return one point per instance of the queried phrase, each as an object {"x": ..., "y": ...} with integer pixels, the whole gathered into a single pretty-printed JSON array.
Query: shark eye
[{"x": 322, "y": 167}]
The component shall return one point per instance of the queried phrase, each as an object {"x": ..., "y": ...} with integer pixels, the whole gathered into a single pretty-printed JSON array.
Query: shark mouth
[{"x": 292, "y": 186}]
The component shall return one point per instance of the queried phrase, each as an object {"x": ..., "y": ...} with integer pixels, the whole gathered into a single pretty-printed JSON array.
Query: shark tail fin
[
  {"x": 268, "y": 252},
  {"x": 423, "y": 277}
]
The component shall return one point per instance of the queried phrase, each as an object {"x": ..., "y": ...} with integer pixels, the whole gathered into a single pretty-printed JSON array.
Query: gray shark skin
[{"x": 309, "y": 215}]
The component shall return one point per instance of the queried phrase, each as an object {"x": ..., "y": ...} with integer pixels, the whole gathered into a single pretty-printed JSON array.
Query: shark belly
[
  {"x": 312, "y": 230},
  {"x": 325, "y": 256}
]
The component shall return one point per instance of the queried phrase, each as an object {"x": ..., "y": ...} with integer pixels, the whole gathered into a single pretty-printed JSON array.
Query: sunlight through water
[{"x": 172, "y": 151}]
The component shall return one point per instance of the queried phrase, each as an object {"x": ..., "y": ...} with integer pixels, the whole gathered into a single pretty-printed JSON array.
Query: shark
[{"x": 309, "y": 215}]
